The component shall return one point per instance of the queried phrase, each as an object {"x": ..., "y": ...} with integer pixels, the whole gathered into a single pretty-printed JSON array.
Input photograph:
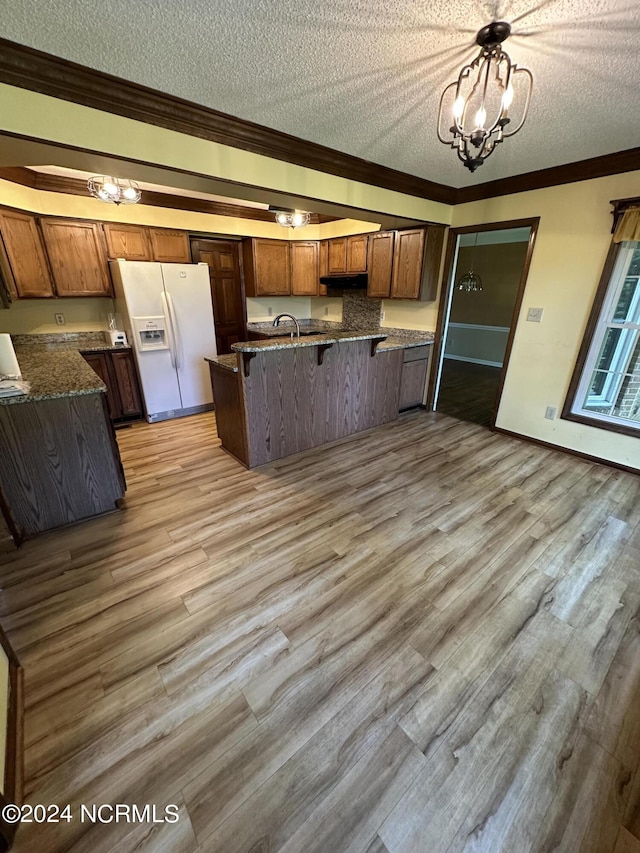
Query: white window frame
[{"x": 623, "y": 352}]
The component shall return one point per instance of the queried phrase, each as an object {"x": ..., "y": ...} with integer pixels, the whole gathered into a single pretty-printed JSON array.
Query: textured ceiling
[{"x": 363, "y": 76}]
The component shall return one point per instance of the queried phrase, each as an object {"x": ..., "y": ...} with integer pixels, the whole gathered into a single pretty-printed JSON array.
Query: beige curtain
[{"x": 629, "y": 226}]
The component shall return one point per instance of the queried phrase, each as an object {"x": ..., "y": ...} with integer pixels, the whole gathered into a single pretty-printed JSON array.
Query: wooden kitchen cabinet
[
  {"x": 323, "y": 265},
  {"x": 170, "y": 246},
  {"x": 380, "y": 264},
  {"x": 117, "y": 370},
  {"x": 77, "y": 257},
  {"x": 304, "y": 268},
  {"x": 130, "y": 242},
  {"x": 357, "y": 253},
  {"x": 267, "y": 267},
  {"x": 26, "y": 254},
  {"x": 416, "y": 263},
  {"x": 347, "y": 254},
  {"x": 414, "y": 377}
]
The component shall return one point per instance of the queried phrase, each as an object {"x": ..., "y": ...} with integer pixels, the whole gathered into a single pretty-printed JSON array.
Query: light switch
[{"x": 534, "y": 315}]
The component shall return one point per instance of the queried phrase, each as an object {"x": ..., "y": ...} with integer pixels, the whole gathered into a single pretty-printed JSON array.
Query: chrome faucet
[{"x": 276, "y": 322}]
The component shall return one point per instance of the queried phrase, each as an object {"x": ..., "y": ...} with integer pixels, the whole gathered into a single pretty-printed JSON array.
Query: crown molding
[
  {"x": 31, "y": 69},
  {"x": 76, "y": 186}
]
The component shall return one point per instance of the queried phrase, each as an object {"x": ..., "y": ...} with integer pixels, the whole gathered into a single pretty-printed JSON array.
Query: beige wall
[
  {"x": 499, "y": 265},
  {"x": 571, "y": 246},
  {"x": 36, "y": 316}
]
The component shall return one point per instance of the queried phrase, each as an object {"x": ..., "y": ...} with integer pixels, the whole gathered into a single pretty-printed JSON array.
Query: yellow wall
[
  {"x": 571, "y": 246},
  {"x": 36, "y": 316}
]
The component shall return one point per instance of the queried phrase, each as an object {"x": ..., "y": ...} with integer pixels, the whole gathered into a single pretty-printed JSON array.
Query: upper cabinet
[
  {"x": 323, "y": 264},
  {"x": 137, "y": 243},
  {"x": 380, "y": 264},
  {"x": 347, "y": 254},
  {"x": 405, "y": 264},
  {"x": 304, "y": 268},
  {"x": 170, "y": 246},
  {"x": 267, "y": 268},
  {"x": 26, "y": 254},
  {"x": 77, "y": 257},
  {"x": 130, "y": 242}
]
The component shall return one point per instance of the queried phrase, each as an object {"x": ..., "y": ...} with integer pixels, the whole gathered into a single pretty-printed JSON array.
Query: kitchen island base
[{"x": 272, "y": 402}]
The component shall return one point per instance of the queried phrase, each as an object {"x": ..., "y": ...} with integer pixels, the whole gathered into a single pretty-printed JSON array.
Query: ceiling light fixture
[
  {"x": 292, "y": 218},
  {"x": 471, "y": 281},
  {"x": 114, "y": 190},
  {"x": 482, "y": 96}
]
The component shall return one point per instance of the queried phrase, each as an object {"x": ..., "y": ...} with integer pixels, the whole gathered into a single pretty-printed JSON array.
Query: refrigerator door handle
[
  {"x": 175, "y": 331},
  {"x": 169, "y": 327}
]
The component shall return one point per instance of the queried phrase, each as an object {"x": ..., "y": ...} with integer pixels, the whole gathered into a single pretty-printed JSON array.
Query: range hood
[{"x": 355, "y": 281}]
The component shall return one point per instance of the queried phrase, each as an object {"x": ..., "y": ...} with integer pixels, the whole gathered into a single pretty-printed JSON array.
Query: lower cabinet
[
  {"x": 117, "y": 370},
  {"x": 414, "y": 377}
]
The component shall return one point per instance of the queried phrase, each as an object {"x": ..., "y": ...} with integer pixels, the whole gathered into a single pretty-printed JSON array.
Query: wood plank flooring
[
  {"x": 423, "y": 638},
  {"x": 468, "y": 391}
]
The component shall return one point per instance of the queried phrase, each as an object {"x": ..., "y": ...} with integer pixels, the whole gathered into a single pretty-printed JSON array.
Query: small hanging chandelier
[
  {"x": 292, "y": 218},
  {"x": 114, "y": 190},
  {"x": 471, "y": 281},
  {"x": 482, "y": 96}
]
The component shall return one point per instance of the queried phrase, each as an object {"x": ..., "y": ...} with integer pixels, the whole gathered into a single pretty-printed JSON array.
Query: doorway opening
[{"x": 485, "y": 277}]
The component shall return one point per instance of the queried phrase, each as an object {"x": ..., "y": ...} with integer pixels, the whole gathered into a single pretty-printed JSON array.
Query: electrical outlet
[
  {"x": 381, "y": 316},
  {"x": 270, "y": 312},
  {"x": 550, "y": 413},
  {"x": 326, "y": 311},
  {"x": 59, "y": 319},
  {"x": 534, "y": 315}
]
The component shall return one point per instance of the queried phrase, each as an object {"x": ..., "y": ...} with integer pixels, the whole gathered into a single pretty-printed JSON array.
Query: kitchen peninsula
[
  {"x": 281, "y": 396},
  {"x": 60, "y": 461}
]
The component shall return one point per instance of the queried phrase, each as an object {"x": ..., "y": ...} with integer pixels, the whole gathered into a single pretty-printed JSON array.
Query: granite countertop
[
  {"x": 395, "y": 338},
  {"x": 228, "y": 362},
  {"x": 267, "y": 328},
  {"x": 54, "y": 367},
  {"x": 307, "y": 341},
  {"x": 54, "y": 373}
]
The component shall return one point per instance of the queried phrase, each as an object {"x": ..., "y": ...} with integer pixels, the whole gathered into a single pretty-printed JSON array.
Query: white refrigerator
[{"x": 168, "y": 317}]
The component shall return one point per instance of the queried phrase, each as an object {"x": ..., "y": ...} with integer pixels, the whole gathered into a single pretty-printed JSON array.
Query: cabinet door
[
  {"x": 323, "y": 265},
  {"x": 337, "y": 261},
  {"x": 170, "y": 247},
  {"x": 126, "y": 378},
  {"x": 26, "y": 254},
  {"x": 99, "y": 362},
  {"x": 407, "y": 264},
  {"x": 130, "y": 242},
  {"x": 77, "y": 257},
  {"x": 269, "y": 272},
  {"x": 357, "y": 253},
  {"x": 432, "y": 261},
  {"x": 414, "y": 377},
  {"x": 380, "y": 264},
  {"x": 304, "y": 268}
]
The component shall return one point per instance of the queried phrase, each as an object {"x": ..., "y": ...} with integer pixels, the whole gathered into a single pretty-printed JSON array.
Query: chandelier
[
  {"x": 471, "y": 281},
  {"x": 114, "y": 190},
  {"x": 481, "y": 97},
  {"x": 292, "y": 218}
]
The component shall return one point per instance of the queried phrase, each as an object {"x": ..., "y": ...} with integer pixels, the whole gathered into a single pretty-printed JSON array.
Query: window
[{"x": 605, "y": 390}]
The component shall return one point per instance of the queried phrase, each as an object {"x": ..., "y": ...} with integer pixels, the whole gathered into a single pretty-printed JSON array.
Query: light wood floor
[
  {"x": 425, "y": 638},
  {"x": 468, "y": 391}
]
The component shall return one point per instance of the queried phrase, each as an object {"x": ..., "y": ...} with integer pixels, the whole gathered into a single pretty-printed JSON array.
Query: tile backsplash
[{"x": 360, "y": 312}]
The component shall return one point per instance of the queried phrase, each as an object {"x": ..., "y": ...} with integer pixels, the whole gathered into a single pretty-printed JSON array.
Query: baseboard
[
  {"x": 587, "y": 457},
  {"x": 473, "y": 360}
]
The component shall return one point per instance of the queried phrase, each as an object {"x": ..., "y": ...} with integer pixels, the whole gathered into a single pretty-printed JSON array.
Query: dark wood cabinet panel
[
  {"x": 169, "y": 246},
  {"x": 380, "y": 264},
  {"x": 77, "y": 257},
  {"x": 407, "y": 264},
  {"x": 130, "y": 242},
  {"x": 432, "y": 262},
  {"x": 223, "y": 259},
  {"x": 304, "y": 268},
  {"x": 117, "y": 370},
  {"x": 323, "y": 264},
  {"x": 267, "y": 267},
  {"x": 127, "y": 386},
  {"x": 25, "y": 250},
  {"x": 357, "y": 253},
  {"x": 337, "y": 259},
  {"x": 412, "y": 384}
]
